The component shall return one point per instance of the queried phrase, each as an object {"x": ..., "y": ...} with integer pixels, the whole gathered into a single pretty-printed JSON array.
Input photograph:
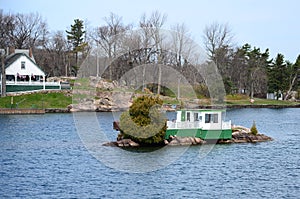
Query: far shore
[
  {"x": 14, "y": 111},
  {"x": 65, "y": 110}
]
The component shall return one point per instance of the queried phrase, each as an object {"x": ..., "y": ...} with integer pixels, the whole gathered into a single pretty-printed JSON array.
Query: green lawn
[
  {"x": 245, "y": 100},
  {"x": 37, "y": 100},
  {"x": 61, "y": 100}
]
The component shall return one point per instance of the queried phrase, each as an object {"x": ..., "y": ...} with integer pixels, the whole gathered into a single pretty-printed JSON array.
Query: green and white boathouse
[{"x": 207, "y": 124}]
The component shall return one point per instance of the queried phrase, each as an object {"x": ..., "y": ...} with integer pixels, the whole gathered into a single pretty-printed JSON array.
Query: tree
[
  {"x": 255, "y": 65},
  {"x": 153, "y": 41},
  {"x": 7, "y": 24},
  {"x": 109, "y": 38},
  {"x": 29, "y": 30},
  {"x": 238, "y": 70},
  {"x": 3, "y": 74},
  {"x": 144, "y": 122},
  {"x": 277, "y": 75},
  {"x": 293, "y": 76},
  {"x": 218, "y": 40},
  {"x": 157, "y": 20},
  {"x": 182, "y": 47},
  {"x": 253, "y": 129},
  {"x": 53, "y": 55},
  {"x": 76, "y": 37}
]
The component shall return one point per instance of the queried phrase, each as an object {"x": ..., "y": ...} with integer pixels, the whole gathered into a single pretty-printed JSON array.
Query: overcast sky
[{"x": 272, "y": 24}]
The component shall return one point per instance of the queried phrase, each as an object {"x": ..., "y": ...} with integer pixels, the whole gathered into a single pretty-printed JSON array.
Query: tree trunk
[
  {"x": 3, "y": 79},
  {"x": 178, "y": 88},
  {"x": 291, "y": 87},
  {"x": 251, "y": 85},
  {"x": 252, "y": 90},
  {"x": 159, "y": 80}
]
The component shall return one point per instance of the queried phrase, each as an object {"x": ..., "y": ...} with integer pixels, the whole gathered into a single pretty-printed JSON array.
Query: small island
[{"x": 144, "y": 124}]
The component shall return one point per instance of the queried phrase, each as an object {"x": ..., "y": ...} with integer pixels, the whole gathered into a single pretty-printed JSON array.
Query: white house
[
  {"x": 21, "y": 67},
  {"x": 23, "y": 74}
]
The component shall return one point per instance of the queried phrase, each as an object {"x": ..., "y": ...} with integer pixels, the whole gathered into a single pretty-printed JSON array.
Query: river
[{"x": 49, "y": 156}]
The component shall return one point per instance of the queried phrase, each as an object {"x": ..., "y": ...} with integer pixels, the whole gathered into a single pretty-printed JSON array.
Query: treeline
[{"x": 244, "y": 69}]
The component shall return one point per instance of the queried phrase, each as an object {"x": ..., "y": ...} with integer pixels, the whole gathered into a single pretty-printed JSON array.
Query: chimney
[
  {"x": 30, "y": 52},
  {"x": 11, "y": 50}
]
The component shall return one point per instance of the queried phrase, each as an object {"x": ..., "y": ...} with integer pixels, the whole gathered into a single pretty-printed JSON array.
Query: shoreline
[{"x": 8, "y": 111}]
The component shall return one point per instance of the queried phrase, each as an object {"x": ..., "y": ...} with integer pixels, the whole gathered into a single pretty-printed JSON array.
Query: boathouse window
[
  {"x": 196, "y": 118},
  {"x": 23, "y": 65},
  {"x": 188, "y": 116},
  {"x": 211, "y": 118},
  {"x": 215, "y": 118}
]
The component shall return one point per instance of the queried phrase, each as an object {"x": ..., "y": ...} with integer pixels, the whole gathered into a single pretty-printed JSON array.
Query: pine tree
[
  {"x": 144, "y": 122},
  {"x": 278, "y": 75},
  {"x": 76, "y": 38},
  {"x": 254, "y": 129}
]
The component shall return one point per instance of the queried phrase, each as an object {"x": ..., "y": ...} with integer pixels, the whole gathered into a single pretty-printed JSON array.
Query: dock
[{"x": 18, "y": 111}]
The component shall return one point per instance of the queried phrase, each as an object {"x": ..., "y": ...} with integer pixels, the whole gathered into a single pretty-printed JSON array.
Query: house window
[
  {"x": 211, "y": 118},
  {"x": 22, "y": 65}
]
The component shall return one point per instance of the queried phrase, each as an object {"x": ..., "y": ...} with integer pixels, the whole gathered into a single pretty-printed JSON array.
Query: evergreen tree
[
  {"x": 256, "y": 63},
  {"x": 76, "y": 37},
  {"x": 144, "y": 122},
  {"x": 278, "y": 75}
]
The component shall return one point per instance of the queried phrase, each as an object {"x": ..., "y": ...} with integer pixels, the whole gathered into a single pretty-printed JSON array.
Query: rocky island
[{"x": 192, "y": 127}]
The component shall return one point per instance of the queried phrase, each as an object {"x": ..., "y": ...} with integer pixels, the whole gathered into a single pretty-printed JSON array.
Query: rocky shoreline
[
  {"x": 240, "y": 135},
  {"x": 167, "y": 108}
]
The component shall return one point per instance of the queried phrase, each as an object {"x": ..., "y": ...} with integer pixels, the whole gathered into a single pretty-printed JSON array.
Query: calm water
[{"x": 42, "y": 156}]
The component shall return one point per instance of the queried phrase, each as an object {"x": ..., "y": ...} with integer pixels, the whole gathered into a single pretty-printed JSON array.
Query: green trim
[
  {"x": 182, "y": 116},
  {"x": 203, "y": 134},
  {"x": 204, "y": 110},
  {"x": 19, "y": 88}
]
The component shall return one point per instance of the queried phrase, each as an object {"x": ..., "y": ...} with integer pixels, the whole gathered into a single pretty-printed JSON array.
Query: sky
[{"x": 272, "y": 24}]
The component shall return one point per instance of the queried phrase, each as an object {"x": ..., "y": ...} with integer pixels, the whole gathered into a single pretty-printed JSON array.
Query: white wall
[{"x": 30, "y": 67}]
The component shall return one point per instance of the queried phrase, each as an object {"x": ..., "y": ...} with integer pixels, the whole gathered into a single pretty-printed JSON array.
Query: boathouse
[{"x": 204, "y": 124}]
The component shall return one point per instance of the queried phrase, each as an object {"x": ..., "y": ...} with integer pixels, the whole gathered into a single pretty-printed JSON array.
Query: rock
[
  {"x": 133, "y": 144},
  {"x": 243, "y": 135},
  {"x": 174, "y": 142},
  {"x": 110, "y": 144},
  {"x": 120, "y": 144},
  {"x": 126, "y": 143},
  {"x": 193, "y": 140},
  {"x": 184, "y": 141},
  {"x": 199, "y": 141}
]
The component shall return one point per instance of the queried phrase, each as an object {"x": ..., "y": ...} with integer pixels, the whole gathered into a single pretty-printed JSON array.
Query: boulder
[
  {"x": 126, "y": 143},
  {"x": 133, "y": 144}
]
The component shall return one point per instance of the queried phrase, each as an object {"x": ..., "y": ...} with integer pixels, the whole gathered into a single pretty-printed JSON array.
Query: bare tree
[
  {"x": 156, "y": 22},
  {"x": 182, "y": 47},
  {"x": 218, "y": 40},
  {"x": 3, "y": 74},
  {"x": 28, "y": 30},
  {"x": 108, "y": 37},
  {"x": 7, "y": 24}
]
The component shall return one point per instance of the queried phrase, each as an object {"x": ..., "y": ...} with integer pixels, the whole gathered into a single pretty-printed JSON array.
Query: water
[{"x": 42, "y": 156}]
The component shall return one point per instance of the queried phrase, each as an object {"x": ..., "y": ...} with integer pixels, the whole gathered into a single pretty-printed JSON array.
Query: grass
[
  {"x": 245, "y": 100},
  {"x": 60, "y": 100},
  {"x": 37, "y": 100}
]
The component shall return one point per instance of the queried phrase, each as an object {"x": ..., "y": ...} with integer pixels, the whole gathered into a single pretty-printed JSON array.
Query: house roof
[{"x": 12, "y": 58}]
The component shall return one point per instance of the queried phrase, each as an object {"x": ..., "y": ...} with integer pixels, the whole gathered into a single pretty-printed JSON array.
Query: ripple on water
[{"x": 43, "y": 156}]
